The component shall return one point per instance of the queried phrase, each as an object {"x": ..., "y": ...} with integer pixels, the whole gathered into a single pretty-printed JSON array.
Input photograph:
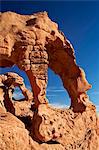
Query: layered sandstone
[{"x": 34, "y": 43}]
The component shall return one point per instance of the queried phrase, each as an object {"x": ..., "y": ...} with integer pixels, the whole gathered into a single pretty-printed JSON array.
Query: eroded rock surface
[
  {"x": 34, "y": 43},
  {"x": 8, "y": 82},
  {"x": 24, "y": 113},
  {"x": 13, "y": 135},
  {"x": 12, "y": 80},
  {"x": 98, "y": 125},
  {"x": 52, "y": 129},
  {"x": 72, "y": 130}
]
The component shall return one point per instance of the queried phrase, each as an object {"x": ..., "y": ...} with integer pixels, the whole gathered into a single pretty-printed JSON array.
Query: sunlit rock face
[
  {"x": 13, "y": 135},
  {"x": 8, "y": 82},
  {"x": 98, "y": 125},
  {"x": 34, "y": 43},
  {"x": 72, "y": 130}
]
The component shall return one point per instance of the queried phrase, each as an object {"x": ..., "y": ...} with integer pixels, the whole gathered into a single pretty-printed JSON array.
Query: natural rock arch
[
  {"x": 33, "y": 42},
  {"x": 8, "y": 82}
]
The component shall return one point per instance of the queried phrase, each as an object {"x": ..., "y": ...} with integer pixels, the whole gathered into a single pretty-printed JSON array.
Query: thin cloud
[
  {"x": 51, "y": 95},
  {"x": 18, "y": 95},
  {"x": 54, "y": 87},
  {"x": 94, "y": 93},
  {"x": 58, "y": 105},
  {"x": 55, "y": 90}
]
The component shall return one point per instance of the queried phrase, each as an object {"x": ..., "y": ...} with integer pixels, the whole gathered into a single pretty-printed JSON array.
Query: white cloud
[
  {"x": 54, "y": 87},
  {"x": 51, "y": 95},
  {"x": 55, "y": 90},
  {"x": 58, "y": 105}
]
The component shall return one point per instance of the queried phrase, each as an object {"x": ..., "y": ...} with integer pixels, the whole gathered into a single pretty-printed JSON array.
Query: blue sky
[{"x": 80, "y": 23}]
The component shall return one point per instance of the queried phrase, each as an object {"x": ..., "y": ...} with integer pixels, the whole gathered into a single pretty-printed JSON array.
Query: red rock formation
[
  {"x": 13, "y": 135},
  {"x": 24, "y": 113},
  {"x": 8, "y": 82},
  {"x": 98, "y": 125},
  {"x": 14, "y": 80},
  {"x": 2, "y": 97},
  {"x": 34, "y": 43},
  {"x": 72, "y": 130}
]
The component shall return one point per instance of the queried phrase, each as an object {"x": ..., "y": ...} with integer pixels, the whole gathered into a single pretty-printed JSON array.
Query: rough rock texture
[
  {"x": 2, "y": 97},
  {"x": 59, "y": 130},
  {"x": 71, "y": 130},
  {"x": 12, "y": 80},
  {"x": 97, "y": 130},
  {"x": 98, "y": 125},
  {"x": 8, "y": 82},
  {"x": 24, "y": 113},
  {"x": 34, "y": 43},
  {"x": 22, "y": 108},
  {"x": 13, "y": 134}
]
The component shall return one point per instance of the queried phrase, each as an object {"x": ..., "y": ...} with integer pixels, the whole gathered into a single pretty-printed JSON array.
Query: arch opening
[
  {"x": 33, "y": 49},
  {"x": 55, "y": 92},
  {"x": 17, "y": 94}
]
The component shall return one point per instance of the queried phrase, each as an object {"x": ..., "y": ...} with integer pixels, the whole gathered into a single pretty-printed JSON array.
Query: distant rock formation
[
  {"x": 8, "y": 82},
  {"x": 34, "y": 43}
]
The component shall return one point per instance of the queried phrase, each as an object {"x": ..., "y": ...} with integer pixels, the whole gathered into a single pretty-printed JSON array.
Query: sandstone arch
[
  {"x": 8, "y": 82},
  {"x": 34, "y": 43}
]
